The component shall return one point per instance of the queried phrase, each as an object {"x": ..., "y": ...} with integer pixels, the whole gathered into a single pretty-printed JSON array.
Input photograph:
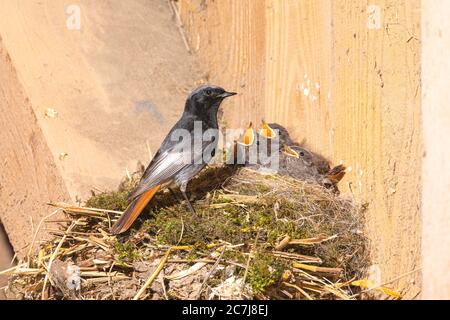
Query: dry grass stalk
[
  {"x": 316, "y": 268},
  {"x": 153, "y": 276}
]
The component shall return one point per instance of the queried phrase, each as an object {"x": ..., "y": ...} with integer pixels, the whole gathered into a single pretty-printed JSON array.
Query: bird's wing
[
  {"x": 165, "y": 165},
  {"x": 337, "y": 173}
]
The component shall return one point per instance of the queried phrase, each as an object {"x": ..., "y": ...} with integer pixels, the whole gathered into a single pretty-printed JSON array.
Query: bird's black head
[{"x": 206, "y": 99}]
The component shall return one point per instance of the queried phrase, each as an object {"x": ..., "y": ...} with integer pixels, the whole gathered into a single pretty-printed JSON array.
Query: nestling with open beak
[{"x": 298, "y": 162}]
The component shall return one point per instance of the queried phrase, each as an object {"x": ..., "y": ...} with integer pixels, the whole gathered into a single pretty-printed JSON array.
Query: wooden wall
[
  {"x": 436, "y": 167},
  {"x": 107, "y": 80},
  {"x": 343, "y": 75},
  {"x": 29, "y": 177}
]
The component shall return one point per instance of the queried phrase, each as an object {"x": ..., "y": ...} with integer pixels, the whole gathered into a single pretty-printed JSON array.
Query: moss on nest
[
  {"x": 266, "y": 270},
  {"x": 127, "y": 252},
  {"x": 239, "y": 205},
  {"x": 246, "y": 213}
]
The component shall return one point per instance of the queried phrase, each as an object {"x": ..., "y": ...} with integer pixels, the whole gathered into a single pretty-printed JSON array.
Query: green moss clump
[
  {"x": 127, "y": 252},
  {"x": 265, "y": 270},
  {"x": 222, "y": 219},
  {"x": 113, "y": 200},
  {"x": 236, "y": 256}
]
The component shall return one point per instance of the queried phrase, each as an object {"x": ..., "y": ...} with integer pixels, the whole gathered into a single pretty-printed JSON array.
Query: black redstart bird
[{"x": 185, "y": 151}]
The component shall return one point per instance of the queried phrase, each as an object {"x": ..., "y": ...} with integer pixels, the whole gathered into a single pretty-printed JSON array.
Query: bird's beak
[
  {"x": 227, "y": 94},
  {"x": 290, "y": 152},
  {"x": 249, "y": 137},
  {"x": 266, "y": 131}
]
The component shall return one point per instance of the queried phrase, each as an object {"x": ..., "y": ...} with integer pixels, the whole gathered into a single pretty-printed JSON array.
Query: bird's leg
[
  {"x": 183, "y": 192},
  {"x": 174, "y": 195},
  {"x": 194, "y": 214}
]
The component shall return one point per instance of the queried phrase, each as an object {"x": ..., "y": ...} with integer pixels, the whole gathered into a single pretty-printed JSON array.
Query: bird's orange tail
[{"x": 133, "y": 211}]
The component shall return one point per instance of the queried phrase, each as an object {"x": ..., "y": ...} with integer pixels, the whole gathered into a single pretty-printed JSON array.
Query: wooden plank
[
  {"x": 436, "y": 167},
  {"x": 377, "y": 126},
  {"x": 118, "y": 80},
  {"x": 229, "y": 38},
  {"x": 28, "y": 175},
  {"x": 298, "y": 80}
]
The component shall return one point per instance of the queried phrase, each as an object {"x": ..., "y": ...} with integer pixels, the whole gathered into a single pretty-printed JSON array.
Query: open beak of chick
[
  {"x": 249, "y": 136},
  {"x": 266, "y": 131},
  {"x": 290, "y": 152}
]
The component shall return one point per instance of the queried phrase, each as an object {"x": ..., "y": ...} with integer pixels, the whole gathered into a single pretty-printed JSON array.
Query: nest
[{"x": 259, "y": 237}]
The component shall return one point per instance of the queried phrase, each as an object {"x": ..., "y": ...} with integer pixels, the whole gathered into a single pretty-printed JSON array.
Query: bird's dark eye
[
  {"x": 302, "y": 154},
  {"x": 208, "y": 92}
]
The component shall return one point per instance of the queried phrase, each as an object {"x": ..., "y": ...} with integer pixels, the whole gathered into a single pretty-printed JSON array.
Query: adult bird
[{"x": 185, "y": 151}]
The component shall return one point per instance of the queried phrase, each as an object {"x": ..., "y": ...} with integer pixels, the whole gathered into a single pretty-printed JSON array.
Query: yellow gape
[
  {"x": 249, "y": 136},
  {"x": 290, "y": 152},
  {"x": 266, "y": 131}
]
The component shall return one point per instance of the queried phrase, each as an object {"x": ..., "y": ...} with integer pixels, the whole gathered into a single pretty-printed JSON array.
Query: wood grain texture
[
  {"x": 299, "y": 59},
  {"x": 29, "y": 177},
  {"x": 229, "y": 36},
  {"x": 436, "y": 167},
  {"x": 118, "y": 83},
  {"x": 343, "y": 82},
  {"x": 377, "y": 119}
]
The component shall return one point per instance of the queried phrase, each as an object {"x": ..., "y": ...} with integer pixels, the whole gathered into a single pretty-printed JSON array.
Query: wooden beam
[
  {"x": 28, "y": 177},
  {"x": 377, "y": 126},
  {"x": 436, "y": 165}
]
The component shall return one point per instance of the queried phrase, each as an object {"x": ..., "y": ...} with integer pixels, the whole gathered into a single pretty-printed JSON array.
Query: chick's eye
[
  {"x": 302, "y": 154},
  {"x": 208, "y": 92}
]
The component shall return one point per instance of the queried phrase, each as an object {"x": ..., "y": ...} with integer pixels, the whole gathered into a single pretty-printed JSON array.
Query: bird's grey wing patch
[
  {"x": 161, "y": 170},
  {"x": 169, "y": 163}
]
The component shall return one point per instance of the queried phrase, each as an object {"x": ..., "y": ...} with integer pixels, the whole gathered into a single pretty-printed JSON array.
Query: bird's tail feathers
[{"x": 133, "y": 211}]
